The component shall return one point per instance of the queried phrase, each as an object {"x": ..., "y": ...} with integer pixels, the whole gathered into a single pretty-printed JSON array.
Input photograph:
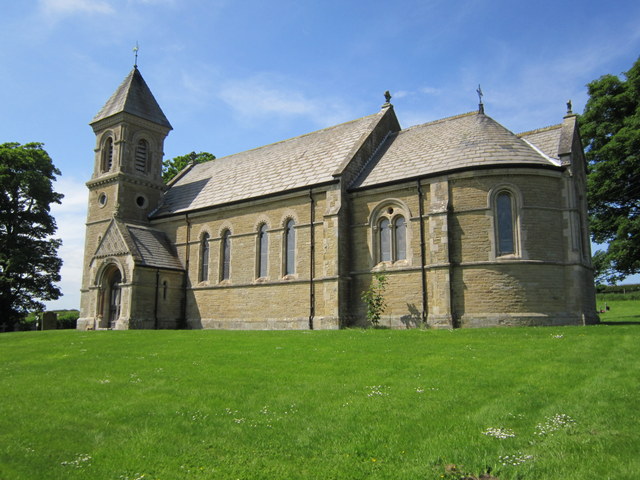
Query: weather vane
[
  {"x": 480, "y": 95},
  {"x": 135, "y": 52}
]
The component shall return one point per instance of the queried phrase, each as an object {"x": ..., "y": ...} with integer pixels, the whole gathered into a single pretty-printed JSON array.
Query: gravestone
[{"x": 49, "y": 321}]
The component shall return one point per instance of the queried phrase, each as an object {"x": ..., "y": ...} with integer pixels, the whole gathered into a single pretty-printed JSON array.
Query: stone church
[{"x": 472, "y": 225}]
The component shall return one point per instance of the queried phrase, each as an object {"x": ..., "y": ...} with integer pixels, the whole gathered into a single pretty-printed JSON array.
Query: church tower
[
  {"x": 125, "y": 187},
  {"x": 127, "y": 174}
]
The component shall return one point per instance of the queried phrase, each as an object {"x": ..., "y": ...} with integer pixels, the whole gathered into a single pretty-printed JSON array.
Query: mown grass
[
  {"x": 620, "y": 309},
  {"x": 352, "y": 404}
]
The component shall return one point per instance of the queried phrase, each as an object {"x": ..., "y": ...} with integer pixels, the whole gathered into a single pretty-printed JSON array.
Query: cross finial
[
  {"x": 480, "y": 95},
  {"x": 135, "y": 52}
]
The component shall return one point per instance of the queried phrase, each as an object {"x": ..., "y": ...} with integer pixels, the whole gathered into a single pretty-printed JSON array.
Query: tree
[
  {"x": 29, "y": 265},
  {"x": 173, "y": 166},
  {"x": 610, "y": 128}
]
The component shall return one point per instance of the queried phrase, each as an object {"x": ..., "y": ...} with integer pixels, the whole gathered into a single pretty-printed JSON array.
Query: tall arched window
[
  {"x": 385, "y": 240},
  {"x": 204, "y": 258},
  {"x": 505, "y": 223},
  {"x": 263, "y": 251},
  {"x": 400, "y": 238},
  {"x": 289, "y": 248},
  {"x": 392, "y": 239},
  {"x": 107, "y": 155},
  {"x": 225, "y": 256},
  {"x": 142, "y": 153}
]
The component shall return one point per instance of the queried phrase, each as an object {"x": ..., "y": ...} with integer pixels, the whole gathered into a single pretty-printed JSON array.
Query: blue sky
[{"x": 233, "y": 75}]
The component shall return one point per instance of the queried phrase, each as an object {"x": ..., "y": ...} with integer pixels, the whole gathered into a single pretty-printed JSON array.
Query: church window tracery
[{"x": 391, "y": 236}]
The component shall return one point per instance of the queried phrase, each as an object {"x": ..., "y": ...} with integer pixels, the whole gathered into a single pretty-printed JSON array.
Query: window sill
[{"x": 398, "y": 264}]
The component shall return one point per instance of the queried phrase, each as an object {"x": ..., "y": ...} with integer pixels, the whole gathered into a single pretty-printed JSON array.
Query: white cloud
[
  {"x": 267, "y": 96},
  {"x": 71, "y": 7},
  {"x": 431, "y": 90},
  {"x": 70, "y": 217}
]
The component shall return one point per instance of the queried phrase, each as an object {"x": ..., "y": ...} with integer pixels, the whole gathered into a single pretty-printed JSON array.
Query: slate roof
[
  {"x": 299, "y": 162},
  {"x": 546, "y": 139},
  {"x": 133, "y": 96},
  {"x": 152, "y": 248},
  {"x": 148, "y": 247},
  {"x": 464, "y": 141}
]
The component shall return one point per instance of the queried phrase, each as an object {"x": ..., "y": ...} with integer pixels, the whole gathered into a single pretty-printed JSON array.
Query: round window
[
  {"x": 141, "y": 201},
  {"x": 102, "y": 199}
]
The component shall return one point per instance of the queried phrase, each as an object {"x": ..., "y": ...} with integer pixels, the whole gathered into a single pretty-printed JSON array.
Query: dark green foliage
[
  {"x": 67, "y": 319},
  {"x": 173, "y": 166},
  {"x": 29, "y": 265},
  {"x": 610, "y": 129},
  {"x": 618, "y": 288}
]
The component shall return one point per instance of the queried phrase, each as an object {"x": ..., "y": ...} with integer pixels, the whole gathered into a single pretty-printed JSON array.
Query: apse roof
[{"x": 465, "y": 141}]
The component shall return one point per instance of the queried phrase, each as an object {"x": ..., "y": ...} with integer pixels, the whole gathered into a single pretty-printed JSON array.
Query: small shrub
[{"x": 374, "y": 298}]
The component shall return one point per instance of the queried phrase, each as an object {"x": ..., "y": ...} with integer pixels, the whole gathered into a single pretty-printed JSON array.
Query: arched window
[
  {"x": 225, "y": 256},
  {"x": 142, "y": 153},
  {"x": 392, "y": 239},
  {"x": 400, "y": 238},
  {"x": 289, "y": 248},
  {"x": 107, "y": 155},
  {"x": 505, "y": 223},
  {"x": 204, "y": 258},
  {"x": 385, "y": 240},
  {"x": 263, "y": 251}
]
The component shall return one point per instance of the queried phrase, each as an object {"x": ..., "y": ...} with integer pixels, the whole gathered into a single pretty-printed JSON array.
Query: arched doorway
[{"x": 111, "y": 297}]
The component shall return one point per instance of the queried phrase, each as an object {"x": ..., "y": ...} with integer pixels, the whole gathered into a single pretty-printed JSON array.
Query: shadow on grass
[{"x": 622, "y": 322}]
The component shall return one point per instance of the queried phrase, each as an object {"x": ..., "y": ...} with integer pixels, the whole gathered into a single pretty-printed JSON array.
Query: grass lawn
[
  {"x": 527, "y": 403},
  {"x": 619, "y": 310}
]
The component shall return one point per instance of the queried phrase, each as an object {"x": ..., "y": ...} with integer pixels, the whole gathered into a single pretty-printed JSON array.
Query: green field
[
  {"x": 525, "y": 403},
  {"x": 619, "y": 310}
]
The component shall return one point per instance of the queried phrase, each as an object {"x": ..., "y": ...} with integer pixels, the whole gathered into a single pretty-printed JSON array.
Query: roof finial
[
  {"x": 135, "y": 52},
  {"x": 387, "y": 97},
  {"x": 569, "y": 108},
  {"x": 480, "y": 104}
]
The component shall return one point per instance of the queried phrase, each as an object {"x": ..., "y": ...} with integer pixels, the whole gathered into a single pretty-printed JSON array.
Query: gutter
[
  {"x": 312, "y": 258},
  {"x": 186, "y": 272},
  {"x": 423, "y": 262}
]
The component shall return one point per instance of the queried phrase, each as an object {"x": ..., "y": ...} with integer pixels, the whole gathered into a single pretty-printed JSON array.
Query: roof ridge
[
  {"x": 539, "y": 130},
  {"x": 441, "y": 120}
]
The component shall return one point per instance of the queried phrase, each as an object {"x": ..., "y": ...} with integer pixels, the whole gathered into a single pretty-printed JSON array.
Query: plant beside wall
[{"x": 374, "y": 298}]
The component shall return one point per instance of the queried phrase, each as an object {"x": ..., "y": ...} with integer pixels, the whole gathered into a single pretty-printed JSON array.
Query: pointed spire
[{"x": 133, "y": 96}]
